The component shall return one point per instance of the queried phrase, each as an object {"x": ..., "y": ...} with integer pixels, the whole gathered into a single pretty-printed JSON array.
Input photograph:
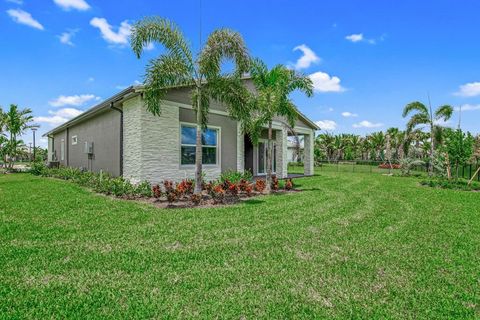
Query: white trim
[
  {"x": 219, "y": 152},
  {"x": 74, "y": 140}
]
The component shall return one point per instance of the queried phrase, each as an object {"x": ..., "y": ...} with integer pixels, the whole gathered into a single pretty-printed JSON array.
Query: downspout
[
  {"x": 121, "y": 136},
  {"x": 67, "y": 149}
]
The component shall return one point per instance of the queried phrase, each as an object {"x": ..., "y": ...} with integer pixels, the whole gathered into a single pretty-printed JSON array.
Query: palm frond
[
  {"x": 259, "y": 73},
  {"x": 300, "y": 82},
  {"x": 165, "y": 32},
  {"x": 417, "y": 119},
  {"x": 231, "y": 91},
  {"x": 444, "y": 112},
  {"x": 162, "y": 73},
  {"x": 223, "y": 44},
  {"x": 415, "y": 106}
]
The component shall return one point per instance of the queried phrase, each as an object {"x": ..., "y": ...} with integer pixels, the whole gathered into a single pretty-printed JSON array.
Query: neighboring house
[
  {"x": 121, "y": 137},
  {"x": 295, "y": 149}
]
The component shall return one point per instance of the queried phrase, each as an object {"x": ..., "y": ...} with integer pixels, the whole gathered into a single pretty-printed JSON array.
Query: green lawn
[{"x": 351, "y": 245}]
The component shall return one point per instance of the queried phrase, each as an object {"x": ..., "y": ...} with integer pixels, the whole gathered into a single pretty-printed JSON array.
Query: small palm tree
[
  {"x": 177, "y": 66},
  {"x": 16, "y": 122},
  {"x": 270, "y": 100},
  {"x": 426, "y": 116}
]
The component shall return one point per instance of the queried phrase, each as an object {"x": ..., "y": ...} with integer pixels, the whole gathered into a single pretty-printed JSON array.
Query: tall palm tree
[
  {"x": 426, "y": 116},
  {"x": 16, "y": 122},
  {"x": 177, "y": 66},
  {"x": 271, "y": 99}
]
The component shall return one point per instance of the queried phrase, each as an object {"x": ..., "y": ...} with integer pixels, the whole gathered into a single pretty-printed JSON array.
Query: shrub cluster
[
  {"x": 99, "y": 182},
  {"x": 458, "y": 184},
  {"x": 220, "y": 191}
]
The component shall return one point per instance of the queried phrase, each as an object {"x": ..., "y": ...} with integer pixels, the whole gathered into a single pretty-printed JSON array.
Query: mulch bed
[{"x": 206, "y": 202}]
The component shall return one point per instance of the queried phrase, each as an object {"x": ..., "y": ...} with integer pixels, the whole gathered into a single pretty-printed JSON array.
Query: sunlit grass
[{"x": 351, "y": 245}]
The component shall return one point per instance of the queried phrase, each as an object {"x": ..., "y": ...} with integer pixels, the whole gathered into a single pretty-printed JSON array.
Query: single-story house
[{"x": 121, "y": 137}]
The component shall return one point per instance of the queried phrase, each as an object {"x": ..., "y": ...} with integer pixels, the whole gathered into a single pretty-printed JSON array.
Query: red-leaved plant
[
  {"x": 196, "y": 198},
  {"x": 157, "y": 192},
  {"x": 185, "y": 186},
  {"x": 260, "y": 185},
  {"x": 218, "y": 194},
  {"x": 288, "y": 184},
  {"x": 274, "y": 184},
  {"x": 168, "y": 185}
]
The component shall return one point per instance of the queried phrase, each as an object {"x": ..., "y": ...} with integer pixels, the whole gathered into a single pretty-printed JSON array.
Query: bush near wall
[{"x": 222, "y": 191}]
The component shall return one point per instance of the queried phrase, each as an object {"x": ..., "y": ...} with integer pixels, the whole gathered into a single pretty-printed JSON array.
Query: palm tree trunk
[
  {"x": 198, "y": 149},
  {"x": 269, "y": 159}
]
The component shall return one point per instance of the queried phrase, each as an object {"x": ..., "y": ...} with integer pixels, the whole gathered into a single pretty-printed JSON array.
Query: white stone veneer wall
[
  {"x": 151, "y": 145},
  {"x": 308, "y": 154},
  {"x": 240, "y": 148}
]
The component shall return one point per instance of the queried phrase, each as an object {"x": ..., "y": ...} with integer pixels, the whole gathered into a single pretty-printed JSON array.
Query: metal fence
[{"x": 465, "y": 171}]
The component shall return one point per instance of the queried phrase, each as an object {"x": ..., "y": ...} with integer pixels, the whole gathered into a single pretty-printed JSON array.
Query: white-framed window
[
  {"x": 62, "y": 149},
  {"x": 74, "y": 140},
  {"x": 188, "y": 145}
]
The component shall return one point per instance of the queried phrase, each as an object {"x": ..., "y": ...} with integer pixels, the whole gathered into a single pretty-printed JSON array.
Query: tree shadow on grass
[{"x": 253, "y": 202}]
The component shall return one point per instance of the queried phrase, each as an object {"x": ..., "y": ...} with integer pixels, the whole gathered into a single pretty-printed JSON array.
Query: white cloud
[
  {"x": 323, "y": 82},
  {"x": 442, "y": 122},
  {"x": 326, "y": 125},
  {"x": 75, "y": 100},
  {"x": 468, "y": 107},
  {"x": 91, "y": 79},
  {"x": 471, "y": 89},
  {"x": 120, "y": 37},
  {"x": 307, "y": 59},
  {"x": 58, "y": 117},
  {"x": 358, "y": 37},
  {"x": 367, "y": 124},
  {"x": 68, "y": 5},
  {"x": 149, "y": 47},
  {"x": 348, "y": 114},
  {"x": 23, "y": 17},
  {"x": 66, "y": 37}
]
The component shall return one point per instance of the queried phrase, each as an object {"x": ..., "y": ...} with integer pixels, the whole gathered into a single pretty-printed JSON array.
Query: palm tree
[
  {"x": 324, "y": 141},
  {"x": 355, "y": 144},
  {"x": 270, "y": 100},
  {"x": 378, "y": 143},
  {"x": 178, "y": 67},
  {"x": 426, "y": 116},
  {"x": 16, "y": 122}
]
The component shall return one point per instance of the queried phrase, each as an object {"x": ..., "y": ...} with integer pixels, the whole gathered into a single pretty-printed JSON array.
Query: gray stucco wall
[
  {"x": 228, "y": 135},
  {"x": 104, "y": 131}
]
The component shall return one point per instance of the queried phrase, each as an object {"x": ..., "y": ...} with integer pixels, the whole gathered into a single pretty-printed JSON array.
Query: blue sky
[{"x": 367, "y": 58}]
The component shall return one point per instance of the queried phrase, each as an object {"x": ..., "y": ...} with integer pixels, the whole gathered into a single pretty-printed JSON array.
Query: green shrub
[
  {"x": 235, "y": 176},
  {"x": 38, "y": 168},
  {"x": 458, "y": 184},
  {"x": 144, "y": 189}
]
